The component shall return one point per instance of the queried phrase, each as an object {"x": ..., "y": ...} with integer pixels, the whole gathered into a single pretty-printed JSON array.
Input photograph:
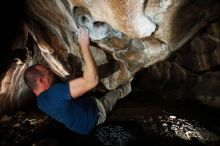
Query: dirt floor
[{"x": 138, "y": 119}]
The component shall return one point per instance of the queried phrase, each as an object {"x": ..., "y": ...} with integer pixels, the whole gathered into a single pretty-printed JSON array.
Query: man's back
[{"x": 79, "y": 115}]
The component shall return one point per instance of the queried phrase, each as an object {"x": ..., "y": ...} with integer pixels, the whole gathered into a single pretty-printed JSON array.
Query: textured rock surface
[
  {"x": 191, "y": 72},
  {"x": 126, "y": 35}
]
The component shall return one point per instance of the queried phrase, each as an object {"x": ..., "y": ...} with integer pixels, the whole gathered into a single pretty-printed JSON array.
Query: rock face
[
  {"x": 190, "y": 72},
  {"x": 126, "y": 36}
]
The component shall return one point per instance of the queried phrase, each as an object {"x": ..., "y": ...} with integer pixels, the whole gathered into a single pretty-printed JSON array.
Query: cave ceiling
[{"x": 175, "y": 41}]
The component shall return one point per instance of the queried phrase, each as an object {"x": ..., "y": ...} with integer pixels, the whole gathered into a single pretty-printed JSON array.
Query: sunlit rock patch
[
  {"x": 169, "y": 125},
  {"x": 173, "y": 126}
]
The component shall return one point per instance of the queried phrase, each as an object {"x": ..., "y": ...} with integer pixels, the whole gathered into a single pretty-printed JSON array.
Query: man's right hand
[{"x": 83, "y": 38}]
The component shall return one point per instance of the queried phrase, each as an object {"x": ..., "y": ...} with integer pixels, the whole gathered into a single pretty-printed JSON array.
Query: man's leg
[{"x": 108, "y": 101}]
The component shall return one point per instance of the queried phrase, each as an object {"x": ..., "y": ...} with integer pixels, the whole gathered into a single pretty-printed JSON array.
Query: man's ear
[{"x": 41, "y": 80}]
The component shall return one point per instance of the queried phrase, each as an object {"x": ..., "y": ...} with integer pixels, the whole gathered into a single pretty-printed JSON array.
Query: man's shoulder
[
  {"x": 59, "y": 91},
  {"x": 59, "y": 86}
]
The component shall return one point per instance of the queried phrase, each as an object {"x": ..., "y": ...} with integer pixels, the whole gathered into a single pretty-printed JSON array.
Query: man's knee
[{"x": 124, "y": 90}]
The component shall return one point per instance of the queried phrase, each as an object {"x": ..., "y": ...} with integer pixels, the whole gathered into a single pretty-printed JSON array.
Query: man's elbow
[
  {"x": 92, "y": 83},
  {"x": 95, "y": 82}
]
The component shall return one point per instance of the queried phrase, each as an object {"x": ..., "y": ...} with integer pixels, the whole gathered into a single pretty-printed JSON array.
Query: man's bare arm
[{"x": 89, "y": 80}]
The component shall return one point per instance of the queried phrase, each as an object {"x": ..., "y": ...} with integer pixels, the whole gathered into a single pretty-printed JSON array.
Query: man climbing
[{"x": 66, "y": 102}]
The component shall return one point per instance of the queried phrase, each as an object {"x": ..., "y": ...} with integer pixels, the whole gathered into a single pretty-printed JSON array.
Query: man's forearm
[{"x": 90, "y": 73}]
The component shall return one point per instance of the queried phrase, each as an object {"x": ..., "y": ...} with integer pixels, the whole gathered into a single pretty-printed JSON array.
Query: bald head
[{"x": 31, "y": 75}]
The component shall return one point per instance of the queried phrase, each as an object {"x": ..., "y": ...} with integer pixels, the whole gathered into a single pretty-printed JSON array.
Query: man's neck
[{"x": 38, "y": 91}]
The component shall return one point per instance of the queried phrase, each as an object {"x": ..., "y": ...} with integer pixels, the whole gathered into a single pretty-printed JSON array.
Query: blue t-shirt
[{"x": 79, "y": 115}]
